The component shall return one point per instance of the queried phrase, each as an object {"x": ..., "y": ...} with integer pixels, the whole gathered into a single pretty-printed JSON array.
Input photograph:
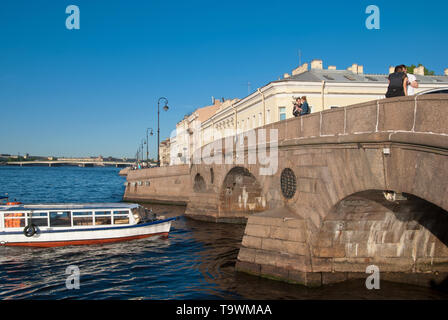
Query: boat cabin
[{"x": 71, "y": 215}]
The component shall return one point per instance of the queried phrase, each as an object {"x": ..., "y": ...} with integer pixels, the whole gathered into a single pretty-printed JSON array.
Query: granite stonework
[
  {"x": 165, "y": 185},
  {"x": 339, "y": 221}
]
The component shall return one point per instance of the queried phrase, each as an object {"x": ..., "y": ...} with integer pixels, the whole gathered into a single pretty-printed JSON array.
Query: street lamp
[
  {"x": 165, "y": 107},
  {"x": 147, "y": 144}
]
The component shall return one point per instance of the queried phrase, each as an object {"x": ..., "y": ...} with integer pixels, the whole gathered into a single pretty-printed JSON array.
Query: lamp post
[
  {"x": 165, "y": 107},
  {"x": 147, "y": 144}
]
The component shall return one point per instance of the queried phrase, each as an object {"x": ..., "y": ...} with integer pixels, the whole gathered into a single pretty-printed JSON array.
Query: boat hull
[{"x": 56, "y": 237}]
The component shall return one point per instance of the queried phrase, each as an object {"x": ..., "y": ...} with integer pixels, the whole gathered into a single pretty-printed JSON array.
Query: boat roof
[{"x": 68, "y": 206}]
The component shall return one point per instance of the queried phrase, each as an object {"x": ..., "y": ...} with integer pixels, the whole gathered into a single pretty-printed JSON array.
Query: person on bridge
[
  {"x": 305, "y": 108},
  {"x": 297, "y": 107},
  {"x": 412, "y": 81},
  {"x": 398, "y": 83}
]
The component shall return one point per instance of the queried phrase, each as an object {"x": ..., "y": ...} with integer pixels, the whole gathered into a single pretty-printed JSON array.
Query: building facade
[{"x": 164, "y": 152}]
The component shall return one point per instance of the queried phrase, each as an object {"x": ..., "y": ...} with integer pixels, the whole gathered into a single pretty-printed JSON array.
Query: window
[
  {"x": 14, "y": 220},
  {"x": 40, "y": 219},
  {"x": 60, "y": 219},
  {"x": 83, "y": 218},
  {"x": 103, "y": 217},
  {"x": 121, "y": 217},
  {"x": 282, "y": 113}
]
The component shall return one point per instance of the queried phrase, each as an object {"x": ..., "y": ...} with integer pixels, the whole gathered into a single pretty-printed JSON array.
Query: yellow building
[
  {"x": 182, "y": 139},
  {"x": 164, "y": 152}
]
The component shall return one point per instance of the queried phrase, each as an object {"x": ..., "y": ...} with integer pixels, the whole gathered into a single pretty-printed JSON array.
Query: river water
[{"x": 196, "y": 261}]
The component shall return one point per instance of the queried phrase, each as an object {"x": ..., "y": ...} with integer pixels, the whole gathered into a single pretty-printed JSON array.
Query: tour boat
[{"x": 52, "y": 225}]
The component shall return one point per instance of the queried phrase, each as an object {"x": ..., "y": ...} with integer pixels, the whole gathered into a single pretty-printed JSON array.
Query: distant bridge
[{"x": 59, "y": 163}]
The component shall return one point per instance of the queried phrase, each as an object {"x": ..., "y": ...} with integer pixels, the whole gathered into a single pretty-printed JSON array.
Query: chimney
[
  {"x": 446, "y": 72},
  {"x": 419, "y": 71},
  {"x": 286, "y": 75},
  {"x": 300, "y": 69},
  {"x": 317, "y": 64},
  {"x": 331, "y": 67},
  {"x": 391, "y": 69},
  {"x": 355, "y": 68},
  {"x": 360, "y": 69},
  {"x": 213, "y": 100}
]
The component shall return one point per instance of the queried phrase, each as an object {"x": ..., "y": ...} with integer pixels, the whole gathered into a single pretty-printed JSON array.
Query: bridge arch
[
  {"x": 406, "y": 234},
  {"x": 199, "y": 183},
  {"x": 241, "y": 194}
]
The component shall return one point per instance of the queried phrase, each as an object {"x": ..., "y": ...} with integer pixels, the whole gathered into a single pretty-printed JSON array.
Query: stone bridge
[{"x": 356, "y": 186}]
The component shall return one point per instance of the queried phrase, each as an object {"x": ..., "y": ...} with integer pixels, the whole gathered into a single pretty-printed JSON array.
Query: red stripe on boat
[{"x": 80, "y": 242}]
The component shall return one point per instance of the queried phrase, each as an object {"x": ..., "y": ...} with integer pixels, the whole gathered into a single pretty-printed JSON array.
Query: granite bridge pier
[{"x": 356, "y": 186}]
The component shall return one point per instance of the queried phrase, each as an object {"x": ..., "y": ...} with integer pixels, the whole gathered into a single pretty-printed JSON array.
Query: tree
[{"x": 427, "y": 72}]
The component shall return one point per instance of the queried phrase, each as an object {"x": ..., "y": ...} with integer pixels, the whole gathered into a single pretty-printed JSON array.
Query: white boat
[{"x": 52, "y": 225}]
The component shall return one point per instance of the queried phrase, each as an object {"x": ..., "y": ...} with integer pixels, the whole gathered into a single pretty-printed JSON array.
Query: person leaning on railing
[
  {"x": 296, "y": 109},
  {"x": 305, "y": 109}
]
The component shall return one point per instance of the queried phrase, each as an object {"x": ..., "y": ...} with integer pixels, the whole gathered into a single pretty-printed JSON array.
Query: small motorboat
[{"x": 52, "y": 225}]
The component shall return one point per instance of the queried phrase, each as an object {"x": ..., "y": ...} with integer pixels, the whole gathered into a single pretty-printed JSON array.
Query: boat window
[
  {"x": 83, "y": 218},
  {"x": 82, "y": 213},
  {"x": 40, "y": 214},
  {"x": 121, "y": 213},
  {"x": 39, "y": 219},
  {"x": 60, "y": 219},
  {"x": 82, "y": 221},
  {"x": 121, "y": 217},
  {"x": 103, "y": 217},
  {"x": 101, "y": 213},
  {"x": 102, "y": 220},
  {"x": 14, "y": 220}
]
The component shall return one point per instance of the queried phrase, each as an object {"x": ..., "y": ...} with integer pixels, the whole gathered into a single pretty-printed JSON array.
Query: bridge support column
[
  {"x": 406, "y": 239},
  {"x": 275, "y": 246}
]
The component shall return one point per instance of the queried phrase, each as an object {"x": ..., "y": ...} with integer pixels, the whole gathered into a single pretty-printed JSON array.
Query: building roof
[
  {"x": 346, "y": 76},
  {"x": 205, "y": 113}
]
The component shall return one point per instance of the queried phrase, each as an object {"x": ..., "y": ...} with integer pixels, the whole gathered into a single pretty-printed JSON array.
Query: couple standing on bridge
[
  {"x": 300, "y": 107},
  {"x": 401, "y": 83}
]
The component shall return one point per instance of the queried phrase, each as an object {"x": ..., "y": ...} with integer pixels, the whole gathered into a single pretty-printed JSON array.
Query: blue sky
[{"x": 94, "y": 91}]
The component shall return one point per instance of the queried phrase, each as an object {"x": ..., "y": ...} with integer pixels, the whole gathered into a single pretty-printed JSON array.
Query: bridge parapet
[
  {"x": 170, "y": 184},
  {"x": 414, "y": 119}
]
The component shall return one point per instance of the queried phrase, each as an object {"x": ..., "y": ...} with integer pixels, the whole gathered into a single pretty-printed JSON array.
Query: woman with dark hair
[
  {"x": 398, "y": 83},
  {"x": 297, "y": 108}
]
